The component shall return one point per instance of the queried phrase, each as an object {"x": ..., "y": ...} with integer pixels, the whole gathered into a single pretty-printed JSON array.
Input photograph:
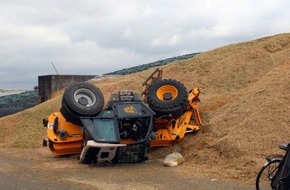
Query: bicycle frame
[{"x": 278, "y": 170}]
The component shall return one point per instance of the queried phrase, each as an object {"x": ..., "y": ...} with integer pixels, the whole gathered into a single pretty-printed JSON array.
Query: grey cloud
[{"x": 95, "y": 37}]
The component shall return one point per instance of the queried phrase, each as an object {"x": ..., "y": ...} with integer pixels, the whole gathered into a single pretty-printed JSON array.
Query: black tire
[
  {"x": 69, "y": 115},
  {"x": 266, "y": 174},
  {"x": 166, "y": 97},
  {"x": 83, "y": 98}
]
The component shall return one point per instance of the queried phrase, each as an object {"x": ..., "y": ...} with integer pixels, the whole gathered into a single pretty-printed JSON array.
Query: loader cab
[
  {"x": 122, "y": 122},
  {"x": 119, "y": 133}
]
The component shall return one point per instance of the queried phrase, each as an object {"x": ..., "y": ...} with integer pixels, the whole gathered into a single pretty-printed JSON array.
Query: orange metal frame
[
  {"x": 173, "y": 131},
  {"x": 72, "y": 143}
]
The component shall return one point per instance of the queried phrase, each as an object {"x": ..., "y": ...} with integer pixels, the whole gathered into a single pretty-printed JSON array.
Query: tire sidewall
[
  {"x": 161, "y": 107},
  {"x": 69, "y": 115},
  {"x": 75, "y": 107}
]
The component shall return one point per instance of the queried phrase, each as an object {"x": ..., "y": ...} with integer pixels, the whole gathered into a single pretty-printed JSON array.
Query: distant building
[{"x": 49, "y": 84}]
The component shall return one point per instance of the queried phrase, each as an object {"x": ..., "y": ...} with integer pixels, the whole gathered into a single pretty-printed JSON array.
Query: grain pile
[{"x": 245, "y": 108}]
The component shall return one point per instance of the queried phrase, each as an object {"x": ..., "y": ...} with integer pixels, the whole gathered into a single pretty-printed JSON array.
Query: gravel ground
[{"x": 38, "y": 169}]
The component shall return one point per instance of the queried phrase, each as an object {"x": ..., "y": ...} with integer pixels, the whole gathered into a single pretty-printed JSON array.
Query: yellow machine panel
[{"x": 63, "y": 137}]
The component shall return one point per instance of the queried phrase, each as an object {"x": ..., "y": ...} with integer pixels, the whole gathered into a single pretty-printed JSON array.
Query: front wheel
[
  {"x": 266, "y": 174},
  {"x": 166, "y": 97}
]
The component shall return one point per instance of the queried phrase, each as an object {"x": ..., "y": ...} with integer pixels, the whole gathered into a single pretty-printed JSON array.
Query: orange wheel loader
[{"x": 122, "y": 130}]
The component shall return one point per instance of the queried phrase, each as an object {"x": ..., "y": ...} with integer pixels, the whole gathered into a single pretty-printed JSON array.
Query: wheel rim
[
  {"x": 84, "y": 97},
  {"x": 167, "y": 93}
]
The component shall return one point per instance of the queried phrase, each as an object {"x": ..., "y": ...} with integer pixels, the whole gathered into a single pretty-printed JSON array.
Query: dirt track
[{"x": 38, "y": 169}]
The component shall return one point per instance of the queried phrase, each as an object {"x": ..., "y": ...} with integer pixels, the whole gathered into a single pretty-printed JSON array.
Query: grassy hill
[{"x": 245, "y": 107}]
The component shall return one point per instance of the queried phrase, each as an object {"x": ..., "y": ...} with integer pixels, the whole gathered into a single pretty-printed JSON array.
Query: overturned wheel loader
[{"x": 123, "y": 129}]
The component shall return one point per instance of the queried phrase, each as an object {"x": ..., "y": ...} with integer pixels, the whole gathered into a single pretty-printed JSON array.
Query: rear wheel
[
  {"x": 167, "y": 97},
  {"x": 81, "y": 99},
  {"x": 70, "y": 115},
  {"x": 266, "y": 174},
  {"x": 84, "y": 98}
]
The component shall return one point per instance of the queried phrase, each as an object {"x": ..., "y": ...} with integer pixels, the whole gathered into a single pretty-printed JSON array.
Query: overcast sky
[{"x": 95, "y": 37}]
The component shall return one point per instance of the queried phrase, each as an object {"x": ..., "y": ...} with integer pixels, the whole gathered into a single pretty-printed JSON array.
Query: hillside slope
[{"x": 245, "y": 107}]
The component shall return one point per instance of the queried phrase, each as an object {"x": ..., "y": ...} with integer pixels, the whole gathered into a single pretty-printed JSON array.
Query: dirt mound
[{"x": 245, "y": 107}]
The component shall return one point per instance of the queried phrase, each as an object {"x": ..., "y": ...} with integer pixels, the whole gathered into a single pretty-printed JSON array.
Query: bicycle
[{"x": 273, "y": 174}]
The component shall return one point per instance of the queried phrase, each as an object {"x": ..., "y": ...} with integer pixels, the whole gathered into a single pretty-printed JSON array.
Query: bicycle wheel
[{"x": 266, "y": 174}]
